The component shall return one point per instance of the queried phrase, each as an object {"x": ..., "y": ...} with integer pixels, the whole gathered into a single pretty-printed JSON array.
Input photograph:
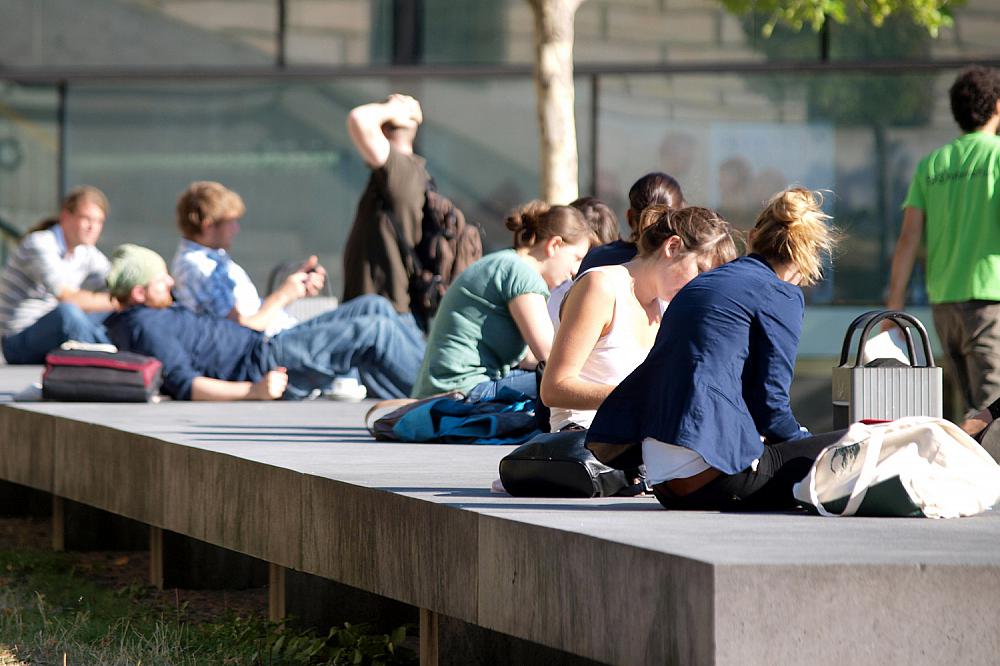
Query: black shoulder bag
[{"x": 557, "y": 464}]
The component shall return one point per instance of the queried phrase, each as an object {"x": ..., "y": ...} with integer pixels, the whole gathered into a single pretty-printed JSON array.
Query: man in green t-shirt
[{"x": 955, "y": 196}]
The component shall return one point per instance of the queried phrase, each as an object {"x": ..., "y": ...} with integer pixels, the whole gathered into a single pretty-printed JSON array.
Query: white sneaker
[{"x": 346, "y": 389}]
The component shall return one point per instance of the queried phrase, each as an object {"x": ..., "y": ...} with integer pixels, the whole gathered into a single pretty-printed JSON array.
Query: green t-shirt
[
  {"x": 474, "y": 338},
  {"x": 958, "y": 188}
]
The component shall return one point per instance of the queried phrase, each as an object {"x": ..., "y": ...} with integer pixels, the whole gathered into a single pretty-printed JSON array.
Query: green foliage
[
  {"x": 854, "y": 99},
  {"x": 929, "y": 14},
  {"x": 355, "y": 644},
  {"x": 48, "y": 610}
]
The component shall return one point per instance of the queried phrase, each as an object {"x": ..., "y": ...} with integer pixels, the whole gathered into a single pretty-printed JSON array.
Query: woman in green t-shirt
[{"x": 492, "y": 326}]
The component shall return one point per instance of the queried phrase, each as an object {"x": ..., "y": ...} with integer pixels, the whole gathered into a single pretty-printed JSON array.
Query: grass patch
[{"x": 52, "y": 609}]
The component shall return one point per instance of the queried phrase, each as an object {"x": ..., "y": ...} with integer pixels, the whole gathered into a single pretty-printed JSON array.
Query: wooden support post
[
  {"x": 58, "y": 524},
  {"x": 428, "y": 637},
  {"x": 156, "y": 557},
  {"x": 275, "y": 592}
]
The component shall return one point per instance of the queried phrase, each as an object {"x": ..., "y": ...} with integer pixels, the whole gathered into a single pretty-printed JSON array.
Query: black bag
[
  {"x": 78, "y": 375},
  {"x": 556, "y": 464}
]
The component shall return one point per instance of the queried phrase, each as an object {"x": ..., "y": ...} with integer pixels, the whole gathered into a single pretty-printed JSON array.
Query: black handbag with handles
[{"x": 556, "y": 464}]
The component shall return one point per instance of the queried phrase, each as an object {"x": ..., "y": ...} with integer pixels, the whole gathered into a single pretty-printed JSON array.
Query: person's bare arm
[
  {"x": 976, "y": 424},
  {"x": 532, "y": 319},
  {"x": 903, "y": 258},
  {"x": 307, "y": 281},
  {"x": 586, "y": 315},
  {"x": 270, "y": 387},
  {"x": 364, "y": 124},
  {"x": 88, "y": 301}
]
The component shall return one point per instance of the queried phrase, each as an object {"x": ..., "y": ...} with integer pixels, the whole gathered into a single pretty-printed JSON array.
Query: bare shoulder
[{"x": 601, "y": 281}]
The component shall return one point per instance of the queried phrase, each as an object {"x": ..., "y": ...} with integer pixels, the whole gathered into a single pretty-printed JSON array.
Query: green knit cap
[{"x": 131, "y": 266}]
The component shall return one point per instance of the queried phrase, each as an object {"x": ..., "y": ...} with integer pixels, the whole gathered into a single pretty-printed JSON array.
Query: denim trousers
[
  {"x": 517, "y": 379},
  {"x": 364, "y": 334},
  {"x": 65, "y": 322},
  {"x": 766, "y": 487}
]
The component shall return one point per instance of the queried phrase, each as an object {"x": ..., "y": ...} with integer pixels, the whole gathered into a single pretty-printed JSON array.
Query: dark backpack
[{"x": 448, "y": 245}]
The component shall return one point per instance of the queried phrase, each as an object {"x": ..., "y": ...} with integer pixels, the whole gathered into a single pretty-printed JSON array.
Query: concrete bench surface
[{"x": 616, "y": 580}]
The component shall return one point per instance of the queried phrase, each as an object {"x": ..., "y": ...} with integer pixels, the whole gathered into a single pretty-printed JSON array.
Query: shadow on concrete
[
  {"x": 264, "y": 433},
  {"x": 277, "y": 439},
  {"x": 540, "y": 503}
]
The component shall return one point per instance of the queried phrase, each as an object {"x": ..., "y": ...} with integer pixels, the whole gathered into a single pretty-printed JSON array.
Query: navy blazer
[
  {"x": 718, "y": 375},
  {"x": 611, "y": 254}
]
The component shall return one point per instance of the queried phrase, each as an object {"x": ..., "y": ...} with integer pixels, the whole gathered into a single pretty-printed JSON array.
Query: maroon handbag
[{"x": 78, "y": 375}]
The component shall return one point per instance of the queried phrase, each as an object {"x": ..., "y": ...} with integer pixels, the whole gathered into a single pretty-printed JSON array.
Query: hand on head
[{"x": 407, "y": 110}]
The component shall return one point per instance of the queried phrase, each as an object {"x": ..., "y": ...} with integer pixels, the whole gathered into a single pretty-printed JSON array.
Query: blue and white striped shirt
[{"x": 208, "y": 281}]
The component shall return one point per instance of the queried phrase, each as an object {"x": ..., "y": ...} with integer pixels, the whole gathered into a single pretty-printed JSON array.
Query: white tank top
[{"x": 614, "y": 357}]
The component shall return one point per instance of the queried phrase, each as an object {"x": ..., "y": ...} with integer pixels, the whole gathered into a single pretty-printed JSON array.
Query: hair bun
[
  {"x": 524, "y": 222},
  {"x": 793, "y": 228},
  {"x": 526, "y": 217},
  {"x": 790, "y": 206}
]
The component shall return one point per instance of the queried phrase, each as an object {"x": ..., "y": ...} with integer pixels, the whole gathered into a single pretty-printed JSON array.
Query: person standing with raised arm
[{"x": 391, "y": 209}]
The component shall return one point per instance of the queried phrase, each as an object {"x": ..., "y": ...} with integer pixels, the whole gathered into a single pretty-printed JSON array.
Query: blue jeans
[
  {"x": 517, "y": 379},
  {"x": 364, "y": 333},
  {"x": 65, "y": 322}
]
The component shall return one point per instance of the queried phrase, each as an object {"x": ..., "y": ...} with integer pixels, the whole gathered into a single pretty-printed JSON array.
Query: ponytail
[{"x": 793, "y": 228}]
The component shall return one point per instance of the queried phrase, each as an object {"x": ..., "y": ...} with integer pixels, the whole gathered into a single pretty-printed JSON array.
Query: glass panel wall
[
  {"x": 29, "y": 150},
  {"x": 284, "y": 147},
  {"x": 481, "y": 141},
  {"x": 733, "y": 140}
]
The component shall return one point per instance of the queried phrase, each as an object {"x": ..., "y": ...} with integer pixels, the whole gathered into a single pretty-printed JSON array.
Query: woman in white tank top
[{"x": 610, "y": 317}]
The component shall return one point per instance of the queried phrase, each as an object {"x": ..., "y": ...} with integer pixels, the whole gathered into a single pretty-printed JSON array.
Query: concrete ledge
[{"x": 613, "y": 580}]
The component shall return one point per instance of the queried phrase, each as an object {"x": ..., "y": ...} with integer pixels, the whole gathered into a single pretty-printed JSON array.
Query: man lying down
[{"x": 213, "y": 358}]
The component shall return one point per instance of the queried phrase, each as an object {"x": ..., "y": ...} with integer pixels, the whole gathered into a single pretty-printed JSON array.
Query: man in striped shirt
[{"x": 48, "y": 289}]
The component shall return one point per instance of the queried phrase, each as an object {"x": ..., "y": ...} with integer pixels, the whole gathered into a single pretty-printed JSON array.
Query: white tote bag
[{"x": 914, "y": 466}]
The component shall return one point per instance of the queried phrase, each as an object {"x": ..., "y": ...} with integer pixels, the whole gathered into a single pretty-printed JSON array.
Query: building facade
[{"x": 140, "y": 97}]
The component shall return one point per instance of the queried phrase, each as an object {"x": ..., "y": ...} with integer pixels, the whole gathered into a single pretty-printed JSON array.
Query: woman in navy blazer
[{"x": 708, "y": 410}]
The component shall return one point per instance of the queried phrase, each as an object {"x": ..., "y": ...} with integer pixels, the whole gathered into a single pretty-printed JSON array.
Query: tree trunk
[{"x": 554, "y": 87}]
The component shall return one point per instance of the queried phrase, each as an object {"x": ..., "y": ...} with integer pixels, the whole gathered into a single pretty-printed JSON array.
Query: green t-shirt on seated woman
[{"x": 474, "y": 338}]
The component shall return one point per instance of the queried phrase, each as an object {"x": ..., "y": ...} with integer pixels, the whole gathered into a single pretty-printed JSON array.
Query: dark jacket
[
  {"x": 190, "y": 345},
  {"x": 374, "y": 262},
  {"x": 718, "y": 375},
  {"x": 612, "y": 254}
]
